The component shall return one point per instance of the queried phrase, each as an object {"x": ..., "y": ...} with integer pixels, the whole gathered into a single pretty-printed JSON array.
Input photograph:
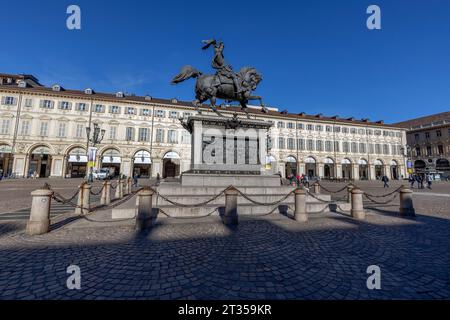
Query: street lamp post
[{"x": 95, "y": 138}]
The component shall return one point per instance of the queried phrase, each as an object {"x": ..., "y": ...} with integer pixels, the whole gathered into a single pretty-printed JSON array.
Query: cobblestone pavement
[{"x": 270, "y": 257}]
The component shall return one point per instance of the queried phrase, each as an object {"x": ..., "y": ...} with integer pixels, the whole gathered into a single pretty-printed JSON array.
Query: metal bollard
[
  {"x": 83, "y": 204},
  {"x": 230, "y": 218},
  {"x": 39, "y": 222},
  {"x": 316, "y": 188},
  {"x": 349, "y": 193},
  {"x": 119, "y": 190},
  {"x": 300, "y": 205},
  {"x": 357, "y": 210},
  {"x": 108, "y": 193},
  {"x": 145, "y": 217},
  {"x": 406, "y": 202}
]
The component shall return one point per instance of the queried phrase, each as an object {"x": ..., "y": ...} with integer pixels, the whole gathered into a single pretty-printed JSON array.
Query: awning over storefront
[
  {"x": 378, "y": 163},
  {"x": 346, "y": 161},
  {"x": 362, "y": 162},
  {"x": 310, "y": 160},
  {"x": 328, "y": 161},
  {"x": 142, "y": 157},
  {"x": 171, "y": 155},
  {"x": 78, "y": 159},
  {"x": 41, "y": 150},
  {"x": 290, "y": 159},
  {"x": 5, "y": 149}
]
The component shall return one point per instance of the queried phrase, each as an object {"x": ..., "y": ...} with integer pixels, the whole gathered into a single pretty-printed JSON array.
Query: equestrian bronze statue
[{"x": 225, "y": 84}]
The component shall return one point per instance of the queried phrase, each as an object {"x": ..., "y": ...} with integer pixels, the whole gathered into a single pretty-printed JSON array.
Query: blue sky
[{"x": 316, "y": 56}]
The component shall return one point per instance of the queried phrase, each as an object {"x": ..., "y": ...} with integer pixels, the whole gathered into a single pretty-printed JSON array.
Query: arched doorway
[
  {"x": 394, "y": 170},
  {"x": 6, "y": 160},
  {"x": 77, "y": 163},
  {"x": 363, "y": 169},
  {"x": 378, "y": 169},
  {"x": 142, "y": 164},
  {"x": 328, "y": 168},
  {"x": 310, "y": 167},
  {"x": 346, "y": 168},
  {"x": 111, "y": 160},
  {"x": 443, "y": 165},
  {"x": 291, "y": 166},
  {"x": 40, "y": 162},
  {"x": 171, "y": 165}
]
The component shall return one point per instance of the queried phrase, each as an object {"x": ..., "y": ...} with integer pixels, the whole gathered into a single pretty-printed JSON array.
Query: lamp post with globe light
[{"x": 95, "y": 137}]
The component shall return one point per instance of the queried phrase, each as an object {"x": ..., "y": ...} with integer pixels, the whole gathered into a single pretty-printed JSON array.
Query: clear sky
[{"x": 316, "y": 56}]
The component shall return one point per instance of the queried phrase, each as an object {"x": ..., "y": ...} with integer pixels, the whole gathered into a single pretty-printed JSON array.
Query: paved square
[{"x": 271, "y": 257}]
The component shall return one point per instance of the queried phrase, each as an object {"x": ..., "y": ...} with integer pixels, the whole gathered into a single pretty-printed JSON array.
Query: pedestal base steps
[{"x": 191, "y": 195}]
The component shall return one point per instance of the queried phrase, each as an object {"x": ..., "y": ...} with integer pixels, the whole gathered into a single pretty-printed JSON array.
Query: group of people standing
[
  {"x": 420, "y": 179},
  {"x": 299, "y": 180}
]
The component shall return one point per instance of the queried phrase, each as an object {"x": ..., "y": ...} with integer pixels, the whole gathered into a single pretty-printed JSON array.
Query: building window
[
  {"x": 25, "y": 129},
  {"x": 79, "y": 131},
  {"x": 310, "y": 145},
  {"x": 159, "y": 135},
  {"x": 47, "y": 104},
  {"x": 377, "y": 132},
  {"x": 385, "y": 149},
  {"x": 309, "y": 127},
  {"x": 328, "y": 146},
  {"x": 62, "y": 130},
  {"x": 416, "y": 137},
  {"x": 345, "y": 146},
  {"x": 369, "y": 132},
  {"x": 65, "y": 105},
  {"x": 130, "y": 111},
  {"x": 143, "y": 134},
  {"x": 385, "y": 133},
  {"x": 378, "y": 148},
  {"x": 361, "y": 131},
  {"x": 99, "y": 108},
  {"x": 29, "y": 103},
  {"x": 186, "y": 114},
  {"x": 353, "y": 130},
  {"x": 300, "y": 126},
  {"x": 427, "y": 135},
  {"x": 44, "y": 129},
  {"x": 280, "y": 125},
  {"x": 291, "y": 143},
  {"x": 301, "y": 144},
  {"x": 328, "y": 129},
  {"x": 429, "y": 151},
  {"x": 440, "y": 149},
  {"x": 9, "y": 101},
  {"x": 173, "y": 115},
  {"x": 186, "y": 137},
  {"x": 319, "y": 145},
  {"x": 438, "y": 133},
  {"x": 319, "y": 128},
  {"x": 362, "y": 148},
  {"x": 337, "y": 129},
  {"x": 371, "y": 148},
  {"x": 172, "y": 136},
  {"x": 344, "y": 130},
  {"x": 290, "y": 125},
  {"x": 6, "y": 123},
  {"x": 336, "y": 146},
  {"x": 112, "y": 132},
  {"x": 418, "y": 153},
  {"x": 146, "y": 112},
  {"x": 129, "y": 134},
  {"x": 81, "y": 106},
  {"x": 114, "y": 109},
  {"x": 354, "y": 146},
  {"x": 280, "y": 143},
  {"x": 160, "y": 114}
]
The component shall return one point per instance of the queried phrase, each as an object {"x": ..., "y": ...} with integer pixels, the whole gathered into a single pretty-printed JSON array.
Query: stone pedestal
[
  {"x": 357, "y": 210},
  {"x": 145, "y": 218},
  {"x": 300, "y": 205},
  {"x": 39, "y": 222},
  {"x": 406, "y": 202},
  {"x": 230, "y": 217}
]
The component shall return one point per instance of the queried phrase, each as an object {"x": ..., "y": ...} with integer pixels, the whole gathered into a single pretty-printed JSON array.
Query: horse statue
[{"x": 225, "y": 84}]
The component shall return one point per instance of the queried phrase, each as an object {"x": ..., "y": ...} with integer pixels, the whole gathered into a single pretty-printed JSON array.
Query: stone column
[
  {"x": 357, "y": 204},
  {"x": 119, "y": 190},
  {"x": 105, "y": 197},
  {"x": 300, "y": 205},
  {"x": 231, "y": 214},
  {"x": 145, "y": 217},
  {"x": 406, "y": 202},
  {"x": 39, "y": 222},
  {"x": 349, "y": 193},
  {"x": 316, "y": 188},
  {"x": 125, "y": 187},
  {"x": 83, "y": 204},
  {"x": 129, "y": 184}
]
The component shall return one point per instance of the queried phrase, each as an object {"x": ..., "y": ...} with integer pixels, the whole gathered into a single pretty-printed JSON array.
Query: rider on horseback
[{"x": 223, "y": 69}]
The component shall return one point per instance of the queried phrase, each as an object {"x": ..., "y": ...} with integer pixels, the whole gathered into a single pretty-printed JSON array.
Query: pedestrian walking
[
  {"x": 411, "y": 180},
  {"x": 135, "y": 180},
  {"x": 385, "y": 180},
  {"x": 429, "y": 181}
]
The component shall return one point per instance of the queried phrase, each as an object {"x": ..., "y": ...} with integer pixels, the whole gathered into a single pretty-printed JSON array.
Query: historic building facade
[
  {"x": 428, "y": 143},
  {"x": 43, "y": 131}
]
